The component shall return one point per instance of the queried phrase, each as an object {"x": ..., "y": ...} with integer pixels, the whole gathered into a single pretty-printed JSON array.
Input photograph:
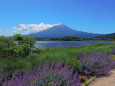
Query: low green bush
[
  {"x": 17, "y": 46},
  {"x": 37, "y": 50},
  {"x": 6, "y": 47}
]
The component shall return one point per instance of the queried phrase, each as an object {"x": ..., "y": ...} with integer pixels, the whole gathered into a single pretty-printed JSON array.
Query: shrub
[
  {"x": 56, "y": 74},
  {"x": 24, "y": 40},
  {"x": 24, "y": 50},
  {"x": 10, "y": 52},
  {"x": 96, "y": 64},
  {"x": 19, "y": 47},
  {"x": 17, "y": 37},
  {"x": 36, "y": 50},
  {"x": 6, "y": 46}
]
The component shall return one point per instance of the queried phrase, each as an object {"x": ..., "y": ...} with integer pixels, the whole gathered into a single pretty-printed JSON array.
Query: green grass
[
  {"x": 68, "y": 55},
  {"x": 113, "y": 56}
]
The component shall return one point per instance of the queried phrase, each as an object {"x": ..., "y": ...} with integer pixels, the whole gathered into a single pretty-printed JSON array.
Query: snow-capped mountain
[{"x": 61, "y": 30}]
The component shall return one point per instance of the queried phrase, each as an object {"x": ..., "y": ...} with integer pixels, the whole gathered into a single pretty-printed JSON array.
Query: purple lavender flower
[
  {"x": 113, "y": 52},
  {"x": 96, "y": 63},
  {"x": 55, "y": 74}
]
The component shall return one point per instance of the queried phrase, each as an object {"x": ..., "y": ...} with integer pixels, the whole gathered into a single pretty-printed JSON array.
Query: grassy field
[{"x": 67, "y": 55}]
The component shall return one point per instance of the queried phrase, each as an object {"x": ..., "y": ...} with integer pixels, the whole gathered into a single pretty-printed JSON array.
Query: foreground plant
[
  {"x": 56, "y": 74},
  {"x": 96, "y": 63},
  {"x": 60, "y": 74}
]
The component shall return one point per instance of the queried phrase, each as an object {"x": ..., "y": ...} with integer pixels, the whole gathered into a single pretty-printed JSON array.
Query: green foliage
[
  {"x": 10, "y": 52},
  {"x": 6, "y": 46},
  {"x": 70, "y": 38},
  {"x": 24, "y": 50},
  {"x": 5, "y": 42},
  {"x": 25, "y": 44},
  {"x": 108, "y": 37},
  {"x": 17, "y": 37},
  {"x": 24, "y": 40},
  {"x": 73, "y": 62},
  {"x": 113, "y": 56},
  {"x": 113, "y": 37},
  {"x": 85, "y": 83},
  {"x": 36, "y": 50},
  {"x": 27, "y": 40},
  {"x": 17, "y": 46},
  {"x": 67, "y": 55}
]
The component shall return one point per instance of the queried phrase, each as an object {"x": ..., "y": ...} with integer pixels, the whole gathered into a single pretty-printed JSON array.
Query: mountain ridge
[{"x": 104, "y": 37}]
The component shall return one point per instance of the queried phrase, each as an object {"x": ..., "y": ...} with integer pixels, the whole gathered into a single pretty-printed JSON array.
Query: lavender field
[{"x": 70, "y": 72}]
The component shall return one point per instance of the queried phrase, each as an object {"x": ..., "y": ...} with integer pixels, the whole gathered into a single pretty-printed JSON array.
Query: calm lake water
[{"x": 54, "y": 44}]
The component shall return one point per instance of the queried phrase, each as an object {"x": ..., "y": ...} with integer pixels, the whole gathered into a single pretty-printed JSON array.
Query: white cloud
[{"x": 32, "y": 28}]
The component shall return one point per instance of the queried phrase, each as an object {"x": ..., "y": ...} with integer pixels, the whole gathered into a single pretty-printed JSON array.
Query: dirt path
[{"x": 105, "y": 80}]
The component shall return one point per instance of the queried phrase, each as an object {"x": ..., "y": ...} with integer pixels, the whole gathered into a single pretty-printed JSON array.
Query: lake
[{"x": 54, "y": 44}]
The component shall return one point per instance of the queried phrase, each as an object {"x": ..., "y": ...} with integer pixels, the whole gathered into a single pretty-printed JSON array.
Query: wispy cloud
[{"x": 32, "y": 28}]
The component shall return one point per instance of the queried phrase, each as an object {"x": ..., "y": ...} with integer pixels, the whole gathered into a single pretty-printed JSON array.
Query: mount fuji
[{"x": 61, "y": 30}]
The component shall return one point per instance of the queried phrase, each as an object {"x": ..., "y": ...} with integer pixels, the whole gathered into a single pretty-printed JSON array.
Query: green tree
[
  {"x": 5, "y": 46},
  {"x": 17, "y": 37},
  {"x": 17, "y": 46},
  {"x": 70, "y": 38},
  {"x": 25, "y": 44},
  {"x": 24, "y": 40},
  {"x": 28, "y": 40}
]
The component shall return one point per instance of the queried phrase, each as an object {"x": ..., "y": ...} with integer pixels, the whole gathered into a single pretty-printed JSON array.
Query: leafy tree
[
  {"x": 24, "y": 50},
  {"x": 24, "y": 40},
  {"x": 28, "y": 40},
  {"x": 17, "y": 37},
  {"x": 26, "y": 44},
  {"x": 5, "y": 46},
  {"x": 18, "y": 46}
]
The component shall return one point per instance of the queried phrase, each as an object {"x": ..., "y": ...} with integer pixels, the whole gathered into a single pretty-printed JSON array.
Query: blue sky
[{"x": 95, "y": 16}]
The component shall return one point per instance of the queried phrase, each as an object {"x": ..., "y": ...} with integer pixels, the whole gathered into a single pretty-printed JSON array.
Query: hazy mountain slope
[{"x": 108, "y": 36}]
